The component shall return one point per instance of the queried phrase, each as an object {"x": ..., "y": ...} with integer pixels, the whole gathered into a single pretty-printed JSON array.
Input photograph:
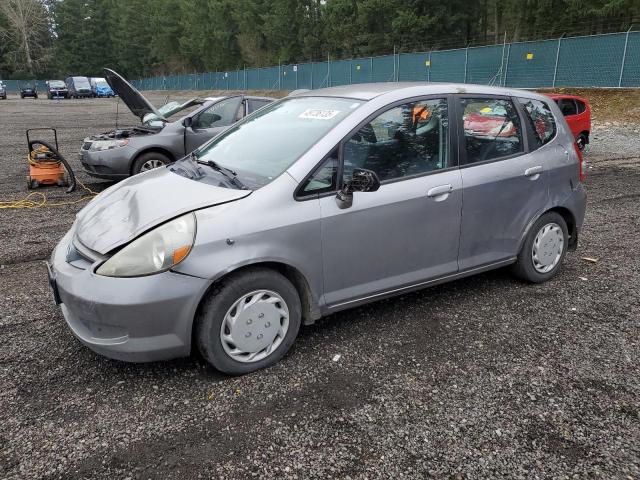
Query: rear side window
[
  {"x": 491, "y": 129},
  {"x": 581, "y": 106},
  {"x": 256, "y": 104},
  {"x": 567, "y": 106},
  {"x": 541, "y": 120}
]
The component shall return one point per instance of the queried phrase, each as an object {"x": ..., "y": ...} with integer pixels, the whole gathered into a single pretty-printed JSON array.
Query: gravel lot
[{"x": 485, "y": 377}]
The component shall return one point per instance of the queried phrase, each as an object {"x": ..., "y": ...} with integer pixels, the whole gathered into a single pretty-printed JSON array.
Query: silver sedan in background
[
  {"x": 319, "y": 202},
  {"x": 158, "y": 141}
]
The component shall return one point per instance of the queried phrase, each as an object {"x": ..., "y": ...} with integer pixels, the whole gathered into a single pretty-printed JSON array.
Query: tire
[
  {"x": 144, "y": 162},
  {"x": 543, "y": 266},
  {"x": 582, "y": 141},
  {"x": 221, "y": 302}
]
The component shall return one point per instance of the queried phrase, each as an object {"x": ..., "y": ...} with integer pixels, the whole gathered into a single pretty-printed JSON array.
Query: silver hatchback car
[{"x": 319, "y": 202}]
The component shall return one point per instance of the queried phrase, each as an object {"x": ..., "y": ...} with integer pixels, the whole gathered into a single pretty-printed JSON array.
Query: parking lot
[{"x": 484, "y": 377}]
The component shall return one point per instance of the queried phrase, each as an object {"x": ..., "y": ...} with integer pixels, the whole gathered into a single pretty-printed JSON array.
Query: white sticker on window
[{"x": 319, "y": 113}]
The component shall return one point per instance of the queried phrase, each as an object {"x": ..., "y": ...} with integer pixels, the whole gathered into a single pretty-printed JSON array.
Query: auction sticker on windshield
[{"x": 319, "y": 113}]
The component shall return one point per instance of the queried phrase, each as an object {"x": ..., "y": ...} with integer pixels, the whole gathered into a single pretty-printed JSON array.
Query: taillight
[{"x": 582, "y": 164}]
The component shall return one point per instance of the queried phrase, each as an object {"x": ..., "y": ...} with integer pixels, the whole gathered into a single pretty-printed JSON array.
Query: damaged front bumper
[{"x": 131, "y": 319}]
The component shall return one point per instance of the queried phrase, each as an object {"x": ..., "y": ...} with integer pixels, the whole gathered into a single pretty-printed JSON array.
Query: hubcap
[
  {"x": 547, "y": 248},
  {"x": 151, "y": 164},
  {"x": 254, "y": 326}
]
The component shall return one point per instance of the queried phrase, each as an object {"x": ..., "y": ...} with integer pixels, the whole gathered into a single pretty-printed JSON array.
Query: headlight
[
  {"x": 155, "y": 251},
  {"x": 100, "y": 145}
]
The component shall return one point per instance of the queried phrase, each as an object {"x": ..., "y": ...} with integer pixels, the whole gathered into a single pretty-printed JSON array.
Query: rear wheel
[
  {"x": 249, "y": 321},
  {"x": 544, "y": 249},
  {"x": 149, "y": 161},
  {"x": 582, "y": 141}
]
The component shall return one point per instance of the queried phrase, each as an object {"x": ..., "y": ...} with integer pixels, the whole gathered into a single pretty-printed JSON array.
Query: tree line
[{"x": 55, "y": 38}]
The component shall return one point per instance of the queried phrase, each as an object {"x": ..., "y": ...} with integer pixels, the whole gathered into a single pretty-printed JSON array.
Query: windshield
[
  {"x": 264, "y": 145},
  {"x": 81, "y": 82},
  {"x": 56, "y": 83},
  {"x": 171, "y": 108},
  {"x": 100, "y": 82}
]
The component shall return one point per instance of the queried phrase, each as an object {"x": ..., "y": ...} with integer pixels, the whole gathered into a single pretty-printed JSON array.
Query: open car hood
[
  {"x": 126, "y": 210},
  {"x": 136, "y": 102}
]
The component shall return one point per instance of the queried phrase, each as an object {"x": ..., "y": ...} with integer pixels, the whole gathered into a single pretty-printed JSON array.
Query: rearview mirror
[
  {"x": 362, "y": 180},
  {"x": 188, "y": 121}
]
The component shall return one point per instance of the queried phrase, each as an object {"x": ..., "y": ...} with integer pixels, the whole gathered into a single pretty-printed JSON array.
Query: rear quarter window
[
  {"x": 581, "y": 106},
  {"x": 540, "y": 119}
]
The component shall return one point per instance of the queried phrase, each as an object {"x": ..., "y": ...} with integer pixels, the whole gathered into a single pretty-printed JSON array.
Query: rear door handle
[
  {"x": 440, "y": 191},
  {"x": 533, "y": 171}
]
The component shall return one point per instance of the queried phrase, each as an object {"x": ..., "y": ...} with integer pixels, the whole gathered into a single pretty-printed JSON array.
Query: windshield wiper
[
  {"x": 189, "y": 170},
  {"x": 227, "y": 172}
]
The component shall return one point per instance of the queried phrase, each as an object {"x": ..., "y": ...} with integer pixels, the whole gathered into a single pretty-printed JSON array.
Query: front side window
[
  {"x": 219, "y": 114},
  {"x": 491, "y": 129},
  {"x": 541, "y": 120},
  {"x": 407, "y": 140},
  {"x": 264, "y": 145}
]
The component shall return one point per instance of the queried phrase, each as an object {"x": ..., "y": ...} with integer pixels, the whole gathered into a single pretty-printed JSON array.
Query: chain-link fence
[{"x": 609, "y": 60}]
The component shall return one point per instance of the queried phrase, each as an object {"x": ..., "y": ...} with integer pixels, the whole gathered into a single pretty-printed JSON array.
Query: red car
[
  {"x": 578, "y": 114},
  {"x": 488, "y": 122}
]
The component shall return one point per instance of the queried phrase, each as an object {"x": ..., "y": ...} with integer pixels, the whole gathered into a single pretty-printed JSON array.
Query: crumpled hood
[{"x": 135, "y": 205}]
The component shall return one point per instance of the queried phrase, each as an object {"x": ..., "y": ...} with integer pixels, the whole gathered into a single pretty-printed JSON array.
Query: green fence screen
[{"x": 611, "y": 60}]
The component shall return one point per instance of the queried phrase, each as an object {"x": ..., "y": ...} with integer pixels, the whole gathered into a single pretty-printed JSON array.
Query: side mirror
[
  {"x": 362, "y": 180},
  {"x": 188, "y": 122}
]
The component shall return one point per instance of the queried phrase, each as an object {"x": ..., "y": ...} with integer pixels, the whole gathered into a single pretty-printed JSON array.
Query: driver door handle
[
  {"x": 440, "y": 190},
  {"x": 530, "y": 172}
]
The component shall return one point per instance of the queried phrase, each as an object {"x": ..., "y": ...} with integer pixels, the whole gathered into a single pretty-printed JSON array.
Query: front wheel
[
  {"x": 544, "y": 249},
  {"x": 249, "y": 321},
  {"x": 149, "y": 161}
]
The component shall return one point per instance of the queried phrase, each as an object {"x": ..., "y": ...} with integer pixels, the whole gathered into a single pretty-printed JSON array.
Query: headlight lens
[
  {"x": 155, "y": 251},
  {"x": 100, "y": 145}
]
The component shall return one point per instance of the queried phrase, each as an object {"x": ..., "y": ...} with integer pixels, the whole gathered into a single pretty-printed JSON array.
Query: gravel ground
[{"x": 485, "y": 377}]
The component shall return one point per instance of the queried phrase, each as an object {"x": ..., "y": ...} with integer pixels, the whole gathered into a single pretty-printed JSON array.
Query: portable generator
[{"x": 46, "y": 165}]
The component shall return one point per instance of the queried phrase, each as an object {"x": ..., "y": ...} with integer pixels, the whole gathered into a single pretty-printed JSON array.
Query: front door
[
  {"x": 210, "y": 122},
  {"x": 407, "y": 232}
]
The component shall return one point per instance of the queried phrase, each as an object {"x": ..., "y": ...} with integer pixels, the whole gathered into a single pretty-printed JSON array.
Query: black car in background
[
  {"x": 79, "y": 87},
  {"x": 56, "y": 89},
  {"x": 28, "y": 89},
  {"x": 3, "y": 91}
]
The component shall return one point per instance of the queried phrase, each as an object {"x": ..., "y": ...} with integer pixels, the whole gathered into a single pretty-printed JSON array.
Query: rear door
[
  {"x": 211, "y": 121},
  {"x": 504, "y": 185}
]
